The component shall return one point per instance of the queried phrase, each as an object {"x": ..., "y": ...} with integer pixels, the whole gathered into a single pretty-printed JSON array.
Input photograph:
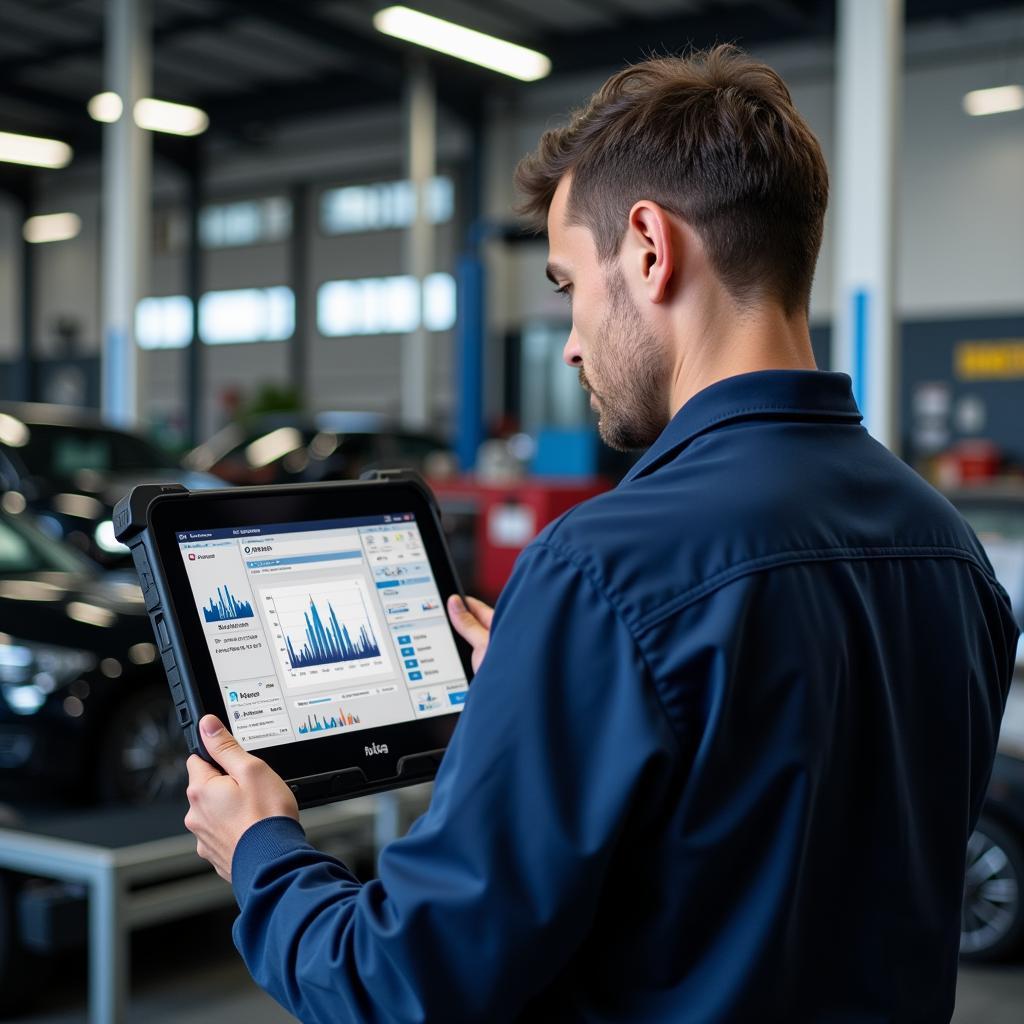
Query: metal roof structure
[{"x": 253, "y": 63}]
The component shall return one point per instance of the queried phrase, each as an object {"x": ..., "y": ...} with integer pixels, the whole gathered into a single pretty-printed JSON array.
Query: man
[{"x": 736, "y": 718}]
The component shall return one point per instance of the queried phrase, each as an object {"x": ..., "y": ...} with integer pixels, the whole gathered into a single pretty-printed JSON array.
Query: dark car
[
  {"x": 84, "y": 708},
  {"x": 300, "y": 448},
  {"x": 71, "y": 469},
  {"x": 992, "y": 925}
]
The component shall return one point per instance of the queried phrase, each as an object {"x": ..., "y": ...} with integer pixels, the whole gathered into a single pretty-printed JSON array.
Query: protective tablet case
[{"x": 131, "y": 527}]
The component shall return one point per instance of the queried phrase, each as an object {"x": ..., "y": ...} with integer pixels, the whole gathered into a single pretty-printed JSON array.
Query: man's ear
[{"x": 650, "y": 247}]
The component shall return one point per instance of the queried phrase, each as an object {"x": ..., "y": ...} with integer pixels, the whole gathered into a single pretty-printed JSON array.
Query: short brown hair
[{"x": 714, "y": 138}]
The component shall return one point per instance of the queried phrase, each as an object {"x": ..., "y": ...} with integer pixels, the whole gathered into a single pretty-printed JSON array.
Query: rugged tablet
[{"x": 311, "y": 619}]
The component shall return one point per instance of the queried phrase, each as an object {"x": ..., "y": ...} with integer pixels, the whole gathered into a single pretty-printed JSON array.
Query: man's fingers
[
  {"x": 200, "y": 771},
  {"x": 466, "y": 623},
  {"x": 223, "y": 747},
  {"x": 484, "y": 612}
]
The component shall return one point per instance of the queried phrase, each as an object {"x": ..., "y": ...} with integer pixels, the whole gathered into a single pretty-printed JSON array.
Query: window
[
  {"x": 385, "y": 204},
  {"x": 225, "y": 317},
  {"x": 373, "y": 305},
  {"x": 222, "y": 225},
  {"x": 438, "y": 302},
  {"x": 247, "y": 314},
  {"x": 385, "y": 305},
  {"x": 164, "y": 322}
]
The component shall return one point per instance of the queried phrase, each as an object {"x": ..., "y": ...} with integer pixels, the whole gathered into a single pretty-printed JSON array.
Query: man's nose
[{"x": 571, "y": 354}]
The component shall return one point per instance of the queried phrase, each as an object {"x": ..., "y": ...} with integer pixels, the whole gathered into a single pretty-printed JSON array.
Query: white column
[
  {"x": 421, "y": 157},
  {"x": 127, "y": 160},
  {"x": 869, "y": 98}
]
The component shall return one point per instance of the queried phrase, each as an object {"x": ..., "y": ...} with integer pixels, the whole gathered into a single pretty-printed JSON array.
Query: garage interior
[{"x": 301, "y": 260}]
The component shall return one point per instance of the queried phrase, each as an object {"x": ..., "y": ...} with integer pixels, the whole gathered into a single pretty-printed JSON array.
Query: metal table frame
[{"x": 116, "y": 907}]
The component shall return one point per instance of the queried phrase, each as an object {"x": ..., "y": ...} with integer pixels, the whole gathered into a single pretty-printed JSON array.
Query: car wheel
[
  {"x": 992, "y": 918},
  {"x": 143, "y": 754}
]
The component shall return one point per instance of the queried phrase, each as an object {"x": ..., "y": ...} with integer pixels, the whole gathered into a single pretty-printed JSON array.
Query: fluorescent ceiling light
[
  {"x": 173, "y": 118},
  {"x": 106, "y": 107},
  {"x": 34, "y": 151},
  {"x": 150, "y": 114},
  {"x": 52, "y": 227},
  {"x": 1000, "y": 100},
  {"x": 464, "y": 43}
]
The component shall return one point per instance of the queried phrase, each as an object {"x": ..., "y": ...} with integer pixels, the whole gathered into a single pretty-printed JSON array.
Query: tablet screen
[{"x": 322, "y": 628}]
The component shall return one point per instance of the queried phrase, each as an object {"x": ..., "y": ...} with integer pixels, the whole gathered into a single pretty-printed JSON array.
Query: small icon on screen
[
  {"x": 233, "y": 695},
  {"x": 191, "y": 556}
]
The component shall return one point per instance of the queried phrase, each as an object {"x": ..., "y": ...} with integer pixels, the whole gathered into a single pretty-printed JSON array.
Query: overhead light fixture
[
  {"x": 464, "y": 43},
  {"x": 150, "y": 114},
  {"x": 106, "y": 107},
  {"x": 52, "y": 227},
  {"x": 34, "y": 151},
  {"x": 173, "y": 118},
  {"x": 1000, "y": 100}
]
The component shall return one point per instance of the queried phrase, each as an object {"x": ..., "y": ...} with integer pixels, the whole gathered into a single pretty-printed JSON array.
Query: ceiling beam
[
  {"x": 94, "y": 47},
  {"x": 745, "y": 24},
  {"x": 58, "y": 115},
  {"x": 370, "y": 58},
  {"x": 275, "y": 101}
]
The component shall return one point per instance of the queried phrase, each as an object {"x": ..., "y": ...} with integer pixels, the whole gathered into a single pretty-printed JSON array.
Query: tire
[
  {"x": 143, "y": 752},
  {"x": 992, "y": 918}
]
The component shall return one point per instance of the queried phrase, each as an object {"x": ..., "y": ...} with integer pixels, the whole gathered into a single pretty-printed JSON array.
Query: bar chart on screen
[
  {"x": 324, "y": 723},
  {"x": 225, "y": 607},
  {"x": 325, "y": 631}
]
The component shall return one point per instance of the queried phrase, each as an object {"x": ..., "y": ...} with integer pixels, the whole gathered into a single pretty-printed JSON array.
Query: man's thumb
[{"x": 221, "y": 745}]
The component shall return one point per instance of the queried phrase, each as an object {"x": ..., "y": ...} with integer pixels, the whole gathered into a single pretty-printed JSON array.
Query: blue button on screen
[
  {"x": 405, "y": 639},
  {"x": 458, "y": 698},
  {"x": 411, "y": 663},
  {"x": 408, "y": 652},
  {"x": 413, "y": 676}
]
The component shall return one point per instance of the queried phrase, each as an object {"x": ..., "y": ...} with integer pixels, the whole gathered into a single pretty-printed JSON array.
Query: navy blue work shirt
[{"x": 721, "y": 762}]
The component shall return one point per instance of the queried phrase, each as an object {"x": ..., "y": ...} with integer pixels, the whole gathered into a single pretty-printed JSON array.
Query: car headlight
[
  {"x": 106, "y": 541},
  {"x": 30, "y": 672}
]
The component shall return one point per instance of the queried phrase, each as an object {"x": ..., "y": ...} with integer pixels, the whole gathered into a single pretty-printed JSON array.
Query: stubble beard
[{"x": 632, "y": 375}]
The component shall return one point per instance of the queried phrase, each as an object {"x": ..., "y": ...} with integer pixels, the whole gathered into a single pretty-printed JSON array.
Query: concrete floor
[{"x": 190, "y": 972}]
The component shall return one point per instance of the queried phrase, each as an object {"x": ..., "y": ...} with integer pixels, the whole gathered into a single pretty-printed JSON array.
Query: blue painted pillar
[{"x": 470, "y": 339}]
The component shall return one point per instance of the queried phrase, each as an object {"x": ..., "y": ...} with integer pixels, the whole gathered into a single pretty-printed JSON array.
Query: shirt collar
[{"x": 764, "y": 393}]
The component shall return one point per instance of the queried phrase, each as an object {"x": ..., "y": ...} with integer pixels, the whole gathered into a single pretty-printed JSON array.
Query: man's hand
[
  {"x": 473, "y": 624},
  {"x": 223, "y": 806}
]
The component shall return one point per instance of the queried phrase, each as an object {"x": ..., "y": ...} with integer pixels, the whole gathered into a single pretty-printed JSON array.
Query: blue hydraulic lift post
[
  {"x": 471, "y": 279},
  {"x": 471, "y": 331}
]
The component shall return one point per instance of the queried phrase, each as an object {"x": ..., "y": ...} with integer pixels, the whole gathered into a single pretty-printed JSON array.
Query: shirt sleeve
[{"x": 561, "y": 745}]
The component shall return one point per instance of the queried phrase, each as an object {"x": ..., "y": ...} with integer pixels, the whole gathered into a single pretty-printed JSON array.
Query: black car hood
[
  {"x": 74, "y": 610},
  {"x": 112, "y": 487}
]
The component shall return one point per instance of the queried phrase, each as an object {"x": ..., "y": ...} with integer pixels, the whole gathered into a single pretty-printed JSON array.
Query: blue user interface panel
[{"x": 318, "y": 627}]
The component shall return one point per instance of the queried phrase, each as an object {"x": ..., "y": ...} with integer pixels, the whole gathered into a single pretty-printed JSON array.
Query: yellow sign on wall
[{"x": 1002, "y": 359}]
